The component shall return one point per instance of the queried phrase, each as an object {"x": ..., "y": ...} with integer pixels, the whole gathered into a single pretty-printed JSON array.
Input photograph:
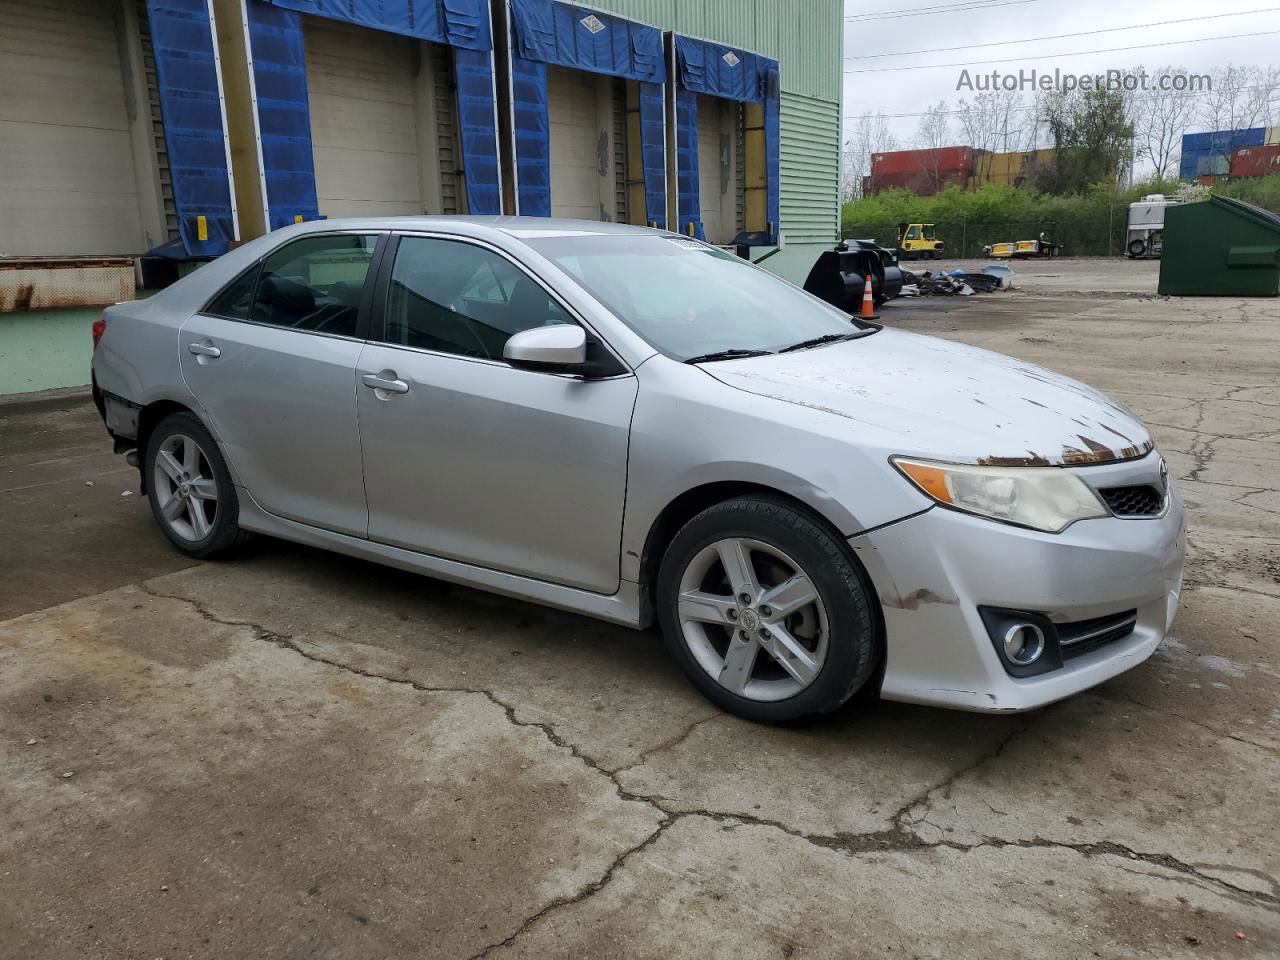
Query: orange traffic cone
[{"x": 868, "y": 302}]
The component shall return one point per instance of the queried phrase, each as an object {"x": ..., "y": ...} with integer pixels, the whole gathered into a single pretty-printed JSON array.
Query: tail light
[{"x": 99, "y": 328}]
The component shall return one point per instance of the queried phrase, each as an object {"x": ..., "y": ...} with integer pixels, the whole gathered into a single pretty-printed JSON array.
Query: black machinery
[{"x": 839, "y": 275}]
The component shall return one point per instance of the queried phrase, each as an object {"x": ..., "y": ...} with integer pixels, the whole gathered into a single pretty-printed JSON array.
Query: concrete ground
[{"x": 293, "y": 754}]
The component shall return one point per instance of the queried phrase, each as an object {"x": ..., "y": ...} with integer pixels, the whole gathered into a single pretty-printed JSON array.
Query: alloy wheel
[
  {"x": 184, "y": 487},
  {"x": 753, "y": 619}
]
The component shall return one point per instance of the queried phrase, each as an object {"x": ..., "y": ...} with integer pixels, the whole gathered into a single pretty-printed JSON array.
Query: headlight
[{"x": 1042, "y": 498}]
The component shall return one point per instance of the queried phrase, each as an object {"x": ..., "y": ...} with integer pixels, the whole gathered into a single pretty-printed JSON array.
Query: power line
[
  {"x": 1025, "y": 107},
  {"x": 1062, "y": 36},
  {"x": 1056, "y": 56},
  {"x": 963, "y": 7}
]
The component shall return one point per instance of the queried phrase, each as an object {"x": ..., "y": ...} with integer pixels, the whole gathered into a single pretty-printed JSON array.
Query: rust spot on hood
[{"x": 1101, "y": 453}]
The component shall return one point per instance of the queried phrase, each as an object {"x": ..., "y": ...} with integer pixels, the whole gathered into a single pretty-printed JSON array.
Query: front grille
[
  {"x": 1085, "y": 636},
  {"x": 1143, "y": 500}
]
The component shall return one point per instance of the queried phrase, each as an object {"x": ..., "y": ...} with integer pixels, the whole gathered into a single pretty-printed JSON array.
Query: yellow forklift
[{"x": 918, "y": 241}]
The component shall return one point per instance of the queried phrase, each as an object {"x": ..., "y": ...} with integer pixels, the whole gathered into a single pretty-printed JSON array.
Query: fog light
[{"x": 1023, "y": 643}]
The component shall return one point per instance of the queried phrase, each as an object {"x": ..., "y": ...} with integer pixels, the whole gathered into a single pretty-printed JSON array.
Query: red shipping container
[
  {"x": 943, "y": 160},
  {"x": 924, "y": 183},
  {"x": 1255, "y": 161}
]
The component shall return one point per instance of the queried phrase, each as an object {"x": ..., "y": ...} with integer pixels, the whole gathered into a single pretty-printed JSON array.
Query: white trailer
[{"x": 1145, "y": 237}]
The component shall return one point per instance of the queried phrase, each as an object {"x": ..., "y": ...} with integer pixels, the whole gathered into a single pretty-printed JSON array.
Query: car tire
[
  {"x": 189, "y": 486},
  {"x": 842, "y": 643},
  {"x": 1137, "y": 248}
]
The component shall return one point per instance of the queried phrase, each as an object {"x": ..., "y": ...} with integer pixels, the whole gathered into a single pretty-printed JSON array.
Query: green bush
[{"x": 1089, "y": 224}]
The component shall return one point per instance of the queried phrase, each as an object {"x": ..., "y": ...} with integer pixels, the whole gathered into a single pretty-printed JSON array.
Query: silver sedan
[{"x": 636, "y": 426}]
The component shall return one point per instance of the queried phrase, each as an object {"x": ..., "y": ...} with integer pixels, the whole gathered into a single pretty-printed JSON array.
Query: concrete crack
[
  {"x": 1196, "y": 723},
  {"x": 667, "y": 744},
  {"x": 898, "y": 837},
  {"x": 587, "y": 891}
]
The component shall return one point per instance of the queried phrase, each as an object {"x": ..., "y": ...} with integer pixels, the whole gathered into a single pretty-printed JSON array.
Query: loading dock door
[
  {"x": 384, "y": 126},
  {"x": 717, "y": 159},
  {"x": 364, "y": 126},
  {"x": 575, "y": 173},
  {"x": 69, "y": 185}
]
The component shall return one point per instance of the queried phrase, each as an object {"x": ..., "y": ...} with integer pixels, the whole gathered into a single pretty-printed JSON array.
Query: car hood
[{"x": 948, "y": 401}]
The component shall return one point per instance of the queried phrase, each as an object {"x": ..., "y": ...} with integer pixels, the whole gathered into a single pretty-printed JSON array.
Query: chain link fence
[{"x": 964, "y": 239}]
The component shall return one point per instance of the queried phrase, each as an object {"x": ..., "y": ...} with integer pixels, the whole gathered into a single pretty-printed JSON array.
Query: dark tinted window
[
  {"x": 235, "y": 300},
  {"x": 460, "y": 298},
  {"x": 315, "y": 284}
]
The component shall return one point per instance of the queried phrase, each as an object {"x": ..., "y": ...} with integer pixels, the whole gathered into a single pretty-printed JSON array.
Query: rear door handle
[
  {"x": 375, "y": 382},
  {"x": 204, "y": 350}
]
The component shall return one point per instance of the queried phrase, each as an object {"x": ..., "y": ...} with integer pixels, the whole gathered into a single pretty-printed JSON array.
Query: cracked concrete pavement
[{"x": 298, "y": 754}]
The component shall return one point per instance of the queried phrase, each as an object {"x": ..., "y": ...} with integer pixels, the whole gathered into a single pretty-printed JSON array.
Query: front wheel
[
  {"x": 190, "y": 489},
  {"x": 766, "y": 611}
]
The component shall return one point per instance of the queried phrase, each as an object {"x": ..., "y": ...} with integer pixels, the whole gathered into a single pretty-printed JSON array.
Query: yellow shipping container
[{"x": 1007, "y": 168}]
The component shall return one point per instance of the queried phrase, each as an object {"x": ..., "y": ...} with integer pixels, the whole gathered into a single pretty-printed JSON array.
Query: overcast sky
[{"x": 911, "y": 91}]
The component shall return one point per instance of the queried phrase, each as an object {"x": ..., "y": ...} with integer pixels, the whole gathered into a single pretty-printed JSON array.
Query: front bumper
[{"x": 934, "y": 570}]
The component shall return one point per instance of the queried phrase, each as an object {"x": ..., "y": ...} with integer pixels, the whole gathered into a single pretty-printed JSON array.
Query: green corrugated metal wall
[{"x": 805, "y": 37}]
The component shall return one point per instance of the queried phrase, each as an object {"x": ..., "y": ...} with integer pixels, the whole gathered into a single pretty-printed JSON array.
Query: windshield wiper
[
  {"x": 826, "y": 338},
  {"x": 733, "y": 354}
]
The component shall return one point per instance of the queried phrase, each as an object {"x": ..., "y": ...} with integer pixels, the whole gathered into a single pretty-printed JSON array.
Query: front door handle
[
  {"x": 204, "y": 350},
  {"x": 375, "y": 382}
]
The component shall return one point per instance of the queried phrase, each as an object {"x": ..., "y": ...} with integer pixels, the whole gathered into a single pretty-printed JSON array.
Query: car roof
[{"x": 522, "y": 228}]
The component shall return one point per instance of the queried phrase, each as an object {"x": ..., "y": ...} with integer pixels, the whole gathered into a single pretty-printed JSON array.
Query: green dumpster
[{"x": 1220, "y": 247}]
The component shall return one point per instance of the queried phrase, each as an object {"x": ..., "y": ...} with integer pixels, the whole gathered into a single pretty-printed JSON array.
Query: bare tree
[
  {"x": 1160, "y": 118},
  {"x": 934, "y": 130},
  {"x": 933, "y": 133},
  {"x": 993, "y": 121},
  {"x": 868, "y": 134},
  {"x": 1240, "y": 97}
]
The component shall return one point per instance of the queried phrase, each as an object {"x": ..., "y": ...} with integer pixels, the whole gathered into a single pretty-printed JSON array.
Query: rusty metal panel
[{"x": 46, "y": 283}]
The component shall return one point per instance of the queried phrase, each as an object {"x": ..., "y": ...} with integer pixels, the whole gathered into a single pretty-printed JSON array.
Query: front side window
[
  {"x": 689, "y": 299},
  {"x": 314, "y": 284},
  {"x": 913, "y": 233},
  {"x": 459, "y": 298}
]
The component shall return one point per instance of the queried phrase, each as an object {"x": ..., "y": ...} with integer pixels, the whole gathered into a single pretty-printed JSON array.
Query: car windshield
[{"x": 689, "y": 299}]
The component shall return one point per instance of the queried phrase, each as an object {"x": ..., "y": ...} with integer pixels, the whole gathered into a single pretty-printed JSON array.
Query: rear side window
[
  {"x": 235, "y": 301},
  {"x": 315, "y": 284}
]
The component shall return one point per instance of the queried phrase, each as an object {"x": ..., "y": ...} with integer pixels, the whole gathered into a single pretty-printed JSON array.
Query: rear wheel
[
  {"x": 190, "y": 489},
  {"x": 766, "y": 612},
  {"x": 1137, "y": 247}
]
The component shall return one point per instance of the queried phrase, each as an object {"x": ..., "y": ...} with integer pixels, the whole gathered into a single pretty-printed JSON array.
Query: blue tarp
[
  {"x": 548, "y": 31},
  {"x": 721, "y": 71},
  {"x": 586, "y": 39},
  {"x": 284, "y": 118},
  {"x": 532, "y": 136},
  {"x": 772, "y": 152},
  {"x": 459, "y": 23},
  {"x": 182, "y": 38},
  {"x": 477, "y": 122},
  {"x": 653, "y": 153},
  {"x": 280, "y": 74},
  {"x": 688, "y": 194}
]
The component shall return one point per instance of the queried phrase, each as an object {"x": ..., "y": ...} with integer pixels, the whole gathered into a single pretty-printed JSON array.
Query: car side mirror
[{"x": 559, "y": 347}]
